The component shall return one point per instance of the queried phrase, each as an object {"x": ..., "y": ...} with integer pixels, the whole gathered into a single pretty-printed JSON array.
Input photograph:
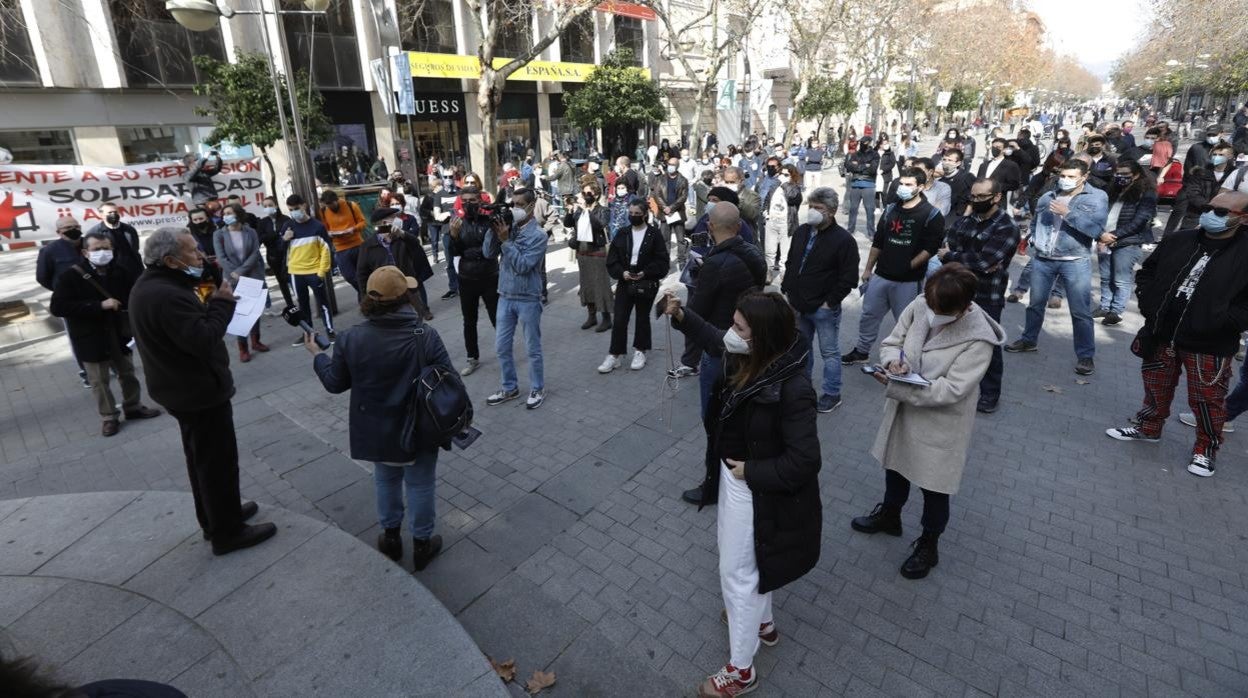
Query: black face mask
[
  {"x": 589, "y": 198},
  {"x": 200, "y": 227},
  {"x": 1094, "y": 150},
  {"x": 637, "y": 220},
  {"x": 996, "y": 150},
  {"x": 771, "y": 171},
  {"x": 113, "y": 218},
  {"x": 72, "y": 233},
  {"x": 982, "y": 206}
]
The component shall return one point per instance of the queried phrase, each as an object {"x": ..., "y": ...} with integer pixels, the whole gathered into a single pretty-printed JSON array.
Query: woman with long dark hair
[
  {"x": 762, "y": 467},
  {"x": 1132, "y": 205},
  {"x": 781, "y": 205},
  {"x": 587, "y": 225}
]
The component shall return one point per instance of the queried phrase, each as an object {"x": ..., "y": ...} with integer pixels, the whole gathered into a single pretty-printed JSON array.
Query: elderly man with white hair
[{"x": 187, "y": 368}]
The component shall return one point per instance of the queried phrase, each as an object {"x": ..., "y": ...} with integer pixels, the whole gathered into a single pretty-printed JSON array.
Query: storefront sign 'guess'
[{"x": 438, "y": 106}]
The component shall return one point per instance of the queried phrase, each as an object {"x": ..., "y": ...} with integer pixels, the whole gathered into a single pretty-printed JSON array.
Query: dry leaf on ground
[
  {"x": 540, "y": 680},
  {"x": 1081, "y": 381},
  {"x": 505, "y": 670},
  {"x": 1052, "y": 389}
]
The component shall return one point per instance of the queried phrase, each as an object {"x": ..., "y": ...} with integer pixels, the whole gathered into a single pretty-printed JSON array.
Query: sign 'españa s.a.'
[{"x": 454, "y": 66}]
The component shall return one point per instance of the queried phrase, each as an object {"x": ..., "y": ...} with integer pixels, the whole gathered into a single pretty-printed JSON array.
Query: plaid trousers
[{"x": 1208, "y": 377}]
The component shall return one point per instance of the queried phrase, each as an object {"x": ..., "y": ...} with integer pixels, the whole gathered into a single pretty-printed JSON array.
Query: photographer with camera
[
  {"x": 477, "y": 271},
  {"x": 516, "y": 239}
]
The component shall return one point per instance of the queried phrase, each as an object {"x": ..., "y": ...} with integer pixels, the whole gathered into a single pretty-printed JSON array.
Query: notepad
[{"x": 912, "y": 378}]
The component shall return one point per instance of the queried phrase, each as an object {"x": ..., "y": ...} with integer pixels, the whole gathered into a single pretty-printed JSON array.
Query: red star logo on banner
[{"x": 9, "y": 213}]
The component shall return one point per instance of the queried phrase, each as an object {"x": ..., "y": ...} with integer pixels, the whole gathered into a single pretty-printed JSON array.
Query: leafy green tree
[
  {"x": 616, "y": 93},
  {"x": 241, "y": 101},
  {"x": 963, "y": 99},
  {"x": 827, "y": 97},
  {"x": 901, "y": 99}
]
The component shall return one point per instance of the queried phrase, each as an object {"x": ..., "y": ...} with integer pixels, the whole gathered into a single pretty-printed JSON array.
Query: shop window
[
  {"x": 427, "y": 25},
  {"x": 156, "y": 143},
  {"x": 630, "y": 34},
  {"x": 576, "y": 142},
  {"x": 326, "y": 46},
  {"x": 442, "y": 138},
  {"x": 576, "y": 43},
  {"x": 515, "y": 139},
  {"x": 53, "y": 147},
  {"x": 155, "y": 50},
  {"x": 17, "y": 58},
  {"x": 347, "y": 159}
]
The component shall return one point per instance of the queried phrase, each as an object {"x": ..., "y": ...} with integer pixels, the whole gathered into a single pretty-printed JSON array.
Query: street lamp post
[{"x": 203, "y": 15}]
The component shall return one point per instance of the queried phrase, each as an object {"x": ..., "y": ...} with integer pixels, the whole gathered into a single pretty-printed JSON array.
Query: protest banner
[{"x": 148, "y": 196}]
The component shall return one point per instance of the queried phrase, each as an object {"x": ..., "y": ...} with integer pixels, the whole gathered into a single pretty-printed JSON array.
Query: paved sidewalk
[
  {"x": 1073, "y": 565},
  {"x": 121, "y": 585}
]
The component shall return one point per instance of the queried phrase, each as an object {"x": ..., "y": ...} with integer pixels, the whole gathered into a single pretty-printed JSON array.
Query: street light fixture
[{"x": 204, "y": 15}]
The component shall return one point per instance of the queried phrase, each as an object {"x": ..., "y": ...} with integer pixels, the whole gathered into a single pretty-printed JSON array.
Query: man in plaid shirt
[{"x": 985, "y": 241}]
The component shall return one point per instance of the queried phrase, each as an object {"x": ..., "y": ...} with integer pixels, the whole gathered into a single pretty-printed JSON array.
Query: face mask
[
  {"x": 814, "y": 218},
  {"x": 733, "y": 186},
  {"x": 950, "y": 169},
  {"x": 951, "y": 136},
  {"x": 299, "y": 215},
  {"x": 637, "y": 221},
  {"x": 1066, "y": 183},
  {"x": 72, "y": 233},
  {"x": 771, "y": 171},
  {"x": 1213, "y": 223},
  {"x": 1212, "y": 140},
  {"x": 1218, "y": 160},
  {"x": 671, "y": 169},
  {"x": 996, "y": 150},
  {"x": 733, "y": 343},
  {"x": 589, "y": 198},
  {"x": 783, "y": 178},
  {"x": 905, "y": 193},
  {"x": 982, "y": 206},
  {"x": 113, "y": 218},
  {"x": 270, "y": 211},
  {"x": 230, "y": 219},
  {"x": 519, "y": 215},
  {"x": 1009, "y": 151},
  {"x": 939, "y": 320},
  {"x": 709, "y": 205},
  {"x": 1122, "y": 180},
  {"x": 193, "y": 272},
  {"x": 621, "y": 191},
  {"x": 1094, "y": 150},
  {"x": 684, "y": 157},
  {"x": 1149, "y": 142},
  {"x": 100, "y": 257}
]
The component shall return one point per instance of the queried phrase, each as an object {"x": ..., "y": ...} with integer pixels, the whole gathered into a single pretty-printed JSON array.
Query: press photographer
[{"x": 478, "y": 272}]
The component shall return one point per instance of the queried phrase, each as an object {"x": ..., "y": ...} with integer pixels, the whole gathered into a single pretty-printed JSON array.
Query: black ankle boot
[
  {"x": 390, "y": 543},
  {"x": 423, "y": 551},
  {"x": 605, "y": 324},
  {"x": 924, "y": 557},
  {"x": 591, "y": 320},
  {"x": 882, "y": 519}
]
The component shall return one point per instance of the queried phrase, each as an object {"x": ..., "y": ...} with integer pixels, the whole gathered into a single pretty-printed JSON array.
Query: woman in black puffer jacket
[{"x": 762, "y": 468}]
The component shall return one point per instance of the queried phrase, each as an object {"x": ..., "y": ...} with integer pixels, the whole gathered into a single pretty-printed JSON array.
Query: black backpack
[{"x": 438, "y": 408}]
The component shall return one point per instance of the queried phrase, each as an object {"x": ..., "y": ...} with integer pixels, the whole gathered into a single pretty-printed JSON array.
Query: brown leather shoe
[
  {"x": 110, "y": 427},
  {"x": 143, "y": 412},
  {"x": 256, "y": 345}
]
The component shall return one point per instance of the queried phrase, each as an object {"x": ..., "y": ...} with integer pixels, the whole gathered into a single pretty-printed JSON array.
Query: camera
[
  {"x": 292, "y": 317},
  {"x": 493, "y": 213}
]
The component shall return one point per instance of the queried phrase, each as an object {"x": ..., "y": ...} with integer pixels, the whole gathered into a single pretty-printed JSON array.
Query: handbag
[{"x": 123, "y": 316}]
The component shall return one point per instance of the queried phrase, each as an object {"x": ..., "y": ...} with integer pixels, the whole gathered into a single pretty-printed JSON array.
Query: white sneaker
[
  {"x": 609, "y": 364},
  {"x": 469, "y": 366},
  {"x": 639, "y": 360},
  {"x": 1190, "y": 420}
]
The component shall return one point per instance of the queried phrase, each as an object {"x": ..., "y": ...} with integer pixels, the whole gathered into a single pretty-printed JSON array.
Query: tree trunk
[
  {"x": 487, "y": 111},
  {"x": 802, "y": 89},
  {"x": 698, "y": 105},
  {"x": 272, "y": 174}
]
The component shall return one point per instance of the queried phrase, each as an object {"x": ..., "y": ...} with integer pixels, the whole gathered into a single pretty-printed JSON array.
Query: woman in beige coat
[{"x": 948, "y": 340}]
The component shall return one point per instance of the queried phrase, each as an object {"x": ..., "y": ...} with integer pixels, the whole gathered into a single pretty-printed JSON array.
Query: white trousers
[{"x": 738, "y": 570}]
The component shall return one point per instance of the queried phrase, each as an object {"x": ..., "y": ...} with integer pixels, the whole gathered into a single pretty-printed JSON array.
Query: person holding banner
[
  {"x": 199, "y": 174},
  {"x": 238, "y": 252}
]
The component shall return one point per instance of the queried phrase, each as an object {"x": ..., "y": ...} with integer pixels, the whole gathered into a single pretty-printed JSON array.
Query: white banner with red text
[{"x": 148, "y": 196}]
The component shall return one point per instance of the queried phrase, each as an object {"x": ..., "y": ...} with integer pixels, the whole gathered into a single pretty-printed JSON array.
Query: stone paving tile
[{"x": 1073, "y": 565}]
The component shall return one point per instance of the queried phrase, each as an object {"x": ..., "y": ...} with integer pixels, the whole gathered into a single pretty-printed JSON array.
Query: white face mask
[
  {"x": 1066, "y": 183},
  {"x": 939, "y": 320},
  {"x": 733, "y": 343},
  {"x": 733, "y": 186},
  {"x": 905, "y": 193},
  {"x": 519, "y": 215},
  {"x": 814, "y": 218},
  {"x": 621, "y": 191},
  {"x": 709, "y": 205},
  {"x": 100, "y": 257}
]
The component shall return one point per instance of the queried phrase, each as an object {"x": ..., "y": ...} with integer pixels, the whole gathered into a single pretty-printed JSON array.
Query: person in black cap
[
  {"x": 861, "y": 169},
  {"x": 394, "y": 245}
]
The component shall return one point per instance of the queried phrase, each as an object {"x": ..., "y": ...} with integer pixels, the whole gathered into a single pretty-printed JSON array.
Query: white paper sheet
[
  {"x": 248, "y": 308},
  {"x": 673, "y": 218}
]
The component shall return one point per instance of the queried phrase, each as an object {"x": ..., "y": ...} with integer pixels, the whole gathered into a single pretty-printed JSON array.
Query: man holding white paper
[{"x": 669, "y": 194}]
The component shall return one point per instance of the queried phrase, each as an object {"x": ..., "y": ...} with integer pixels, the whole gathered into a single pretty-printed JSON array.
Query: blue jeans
[
  {"x": 418, "y": 479},
  {"x": 826, "y": 322},
  {"x": 528, "y": 313},
  {"x": 882, "y": 296},
  {"x": 1237, "y": 399},
  {"x": 1024, "y": 282},
  {"x": 452, "y": 277},
  {"x": 435, "y": 239},
  {"x": 708, "y": 371},
  {"x": 1077, "y": 275},
  {"x": 1118, "y": 277}
]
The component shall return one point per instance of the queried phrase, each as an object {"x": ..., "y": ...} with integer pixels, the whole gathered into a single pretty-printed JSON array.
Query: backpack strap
[{"x": 91, "y": 280}]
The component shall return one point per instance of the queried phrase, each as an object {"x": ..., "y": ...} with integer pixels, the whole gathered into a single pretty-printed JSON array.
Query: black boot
[
  {"x": 390, "y": 543},
  {"x": 592, "y": 319},
  {"x": 924, "y": 557},
  {"x": 425, "y": 550},
  {"x": 246, "y": 537},
  {"x": 882, "y": 519},
  {"x": 605, "y": 324}
]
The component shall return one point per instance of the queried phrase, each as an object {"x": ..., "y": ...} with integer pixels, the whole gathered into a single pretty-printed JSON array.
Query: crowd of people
[{"x": 752, "y": 237}]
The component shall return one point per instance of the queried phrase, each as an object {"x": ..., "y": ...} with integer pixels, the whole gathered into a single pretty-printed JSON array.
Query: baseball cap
[
  {"x": 388, "y": 283},
  {"x": 66, "y": 223}
]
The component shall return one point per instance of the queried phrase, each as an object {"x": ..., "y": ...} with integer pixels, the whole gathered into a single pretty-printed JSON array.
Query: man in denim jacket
[
  {"x": 1067, "y": 222},
  {"x": 520, "y": 248}
]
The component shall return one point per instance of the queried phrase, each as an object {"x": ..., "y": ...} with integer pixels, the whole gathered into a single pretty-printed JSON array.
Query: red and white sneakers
[
  {"x": 767, "y": 633},
  {"x": 728, "y": 682}
]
